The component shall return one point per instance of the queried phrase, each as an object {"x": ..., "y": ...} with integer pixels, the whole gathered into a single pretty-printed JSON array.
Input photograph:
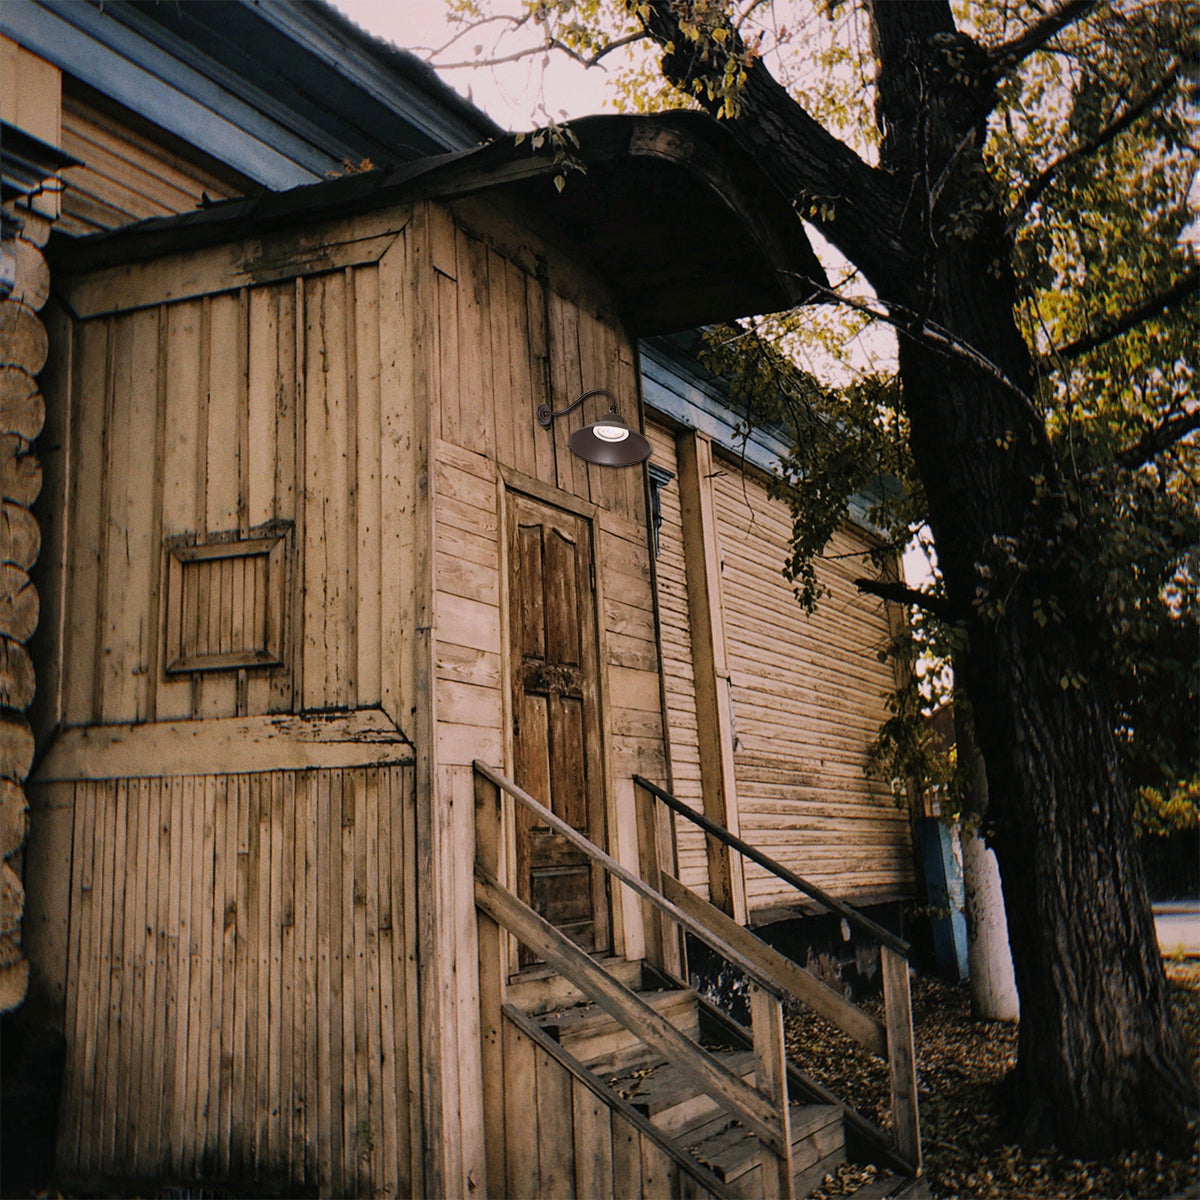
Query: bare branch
[
  {"x": 916, "y": 327},
  {"x": 590, "y": 60},
  {"x": 1180, "y": 290},
  {"x": 1008, "y": 54},
  {"x": 512, "y": 19},
  {"x": 1031, "y": 194},
  {"x": 1157, "y": 439},
  {"x": 899, "y": 593},
  {"x": 497, "y": 60}
]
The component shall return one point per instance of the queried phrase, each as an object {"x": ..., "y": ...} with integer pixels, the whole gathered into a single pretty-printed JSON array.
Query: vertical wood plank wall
[
  {"x": 807, "y": 700},
  {"x": 243, "y": 990},
  {"x": 505, "y": 340},
  {"x": 218, "y": 415},
  {"x": 577, "y": 1146},
  {"x": 239, "y": 969}
]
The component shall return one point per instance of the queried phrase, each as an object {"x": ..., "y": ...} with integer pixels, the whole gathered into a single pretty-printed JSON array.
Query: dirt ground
[{"x": 961, "y": 1063}]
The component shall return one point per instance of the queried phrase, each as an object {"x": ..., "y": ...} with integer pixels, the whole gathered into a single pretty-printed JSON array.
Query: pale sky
[{"x": 510, "y": 94}]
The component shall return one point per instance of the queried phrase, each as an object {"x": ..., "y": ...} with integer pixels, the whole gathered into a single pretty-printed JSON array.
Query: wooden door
[{"x": 556, "y": 719}]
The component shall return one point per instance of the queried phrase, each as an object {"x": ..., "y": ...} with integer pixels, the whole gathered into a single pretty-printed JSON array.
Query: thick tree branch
[
  {"x": 1180, "y": 290},
  {"x": 899, "y": 593},
  {"x": 1007, "y": 55},
  {"x": 1047, "y": 176},
  {"x": 858, "y": 206},
  {"x": 1157, "y": 439}
]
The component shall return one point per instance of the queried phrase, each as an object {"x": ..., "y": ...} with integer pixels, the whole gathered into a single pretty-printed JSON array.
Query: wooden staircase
[
  {"x": 713, "y": 1109},
  {"x": 668, "y": 1095}
]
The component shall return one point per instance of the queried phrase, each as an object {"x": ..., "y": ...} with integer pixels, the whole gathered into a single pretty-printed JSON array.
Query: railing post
[
  {"x": 902, "y": 1063},
  {"x": 493, "y": 978},
  {"x": 770, "y": 1077},
  {"x": 654, "y": 843}
]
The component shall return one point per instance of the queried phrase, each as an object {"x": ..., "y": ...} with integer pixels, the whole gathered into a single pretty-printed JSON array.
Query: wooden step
[
  {"x": 540, "y": 989},
  {"x": 884, "y": 1185},
  {"x": 733, "y": 1155},
  {"x": 669, "y": 1095},
  {"x": 604, "y": 1044},
  {"x": 666, "y": 1094}
]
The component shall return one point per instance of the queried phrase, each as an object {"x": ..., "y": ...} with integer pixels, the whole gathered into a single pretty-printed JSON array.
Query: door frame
[{"x": 529, "y": 488}]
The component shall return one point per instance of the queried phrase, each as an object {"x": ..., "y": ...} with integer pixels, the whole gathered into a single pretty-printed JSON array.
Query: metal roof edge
[
  {"x": 132, "y": 55},
  {"x": 373, "y": 64},
  {"x": 676, "y": 386},
  {"x": 119, "y": 63}
]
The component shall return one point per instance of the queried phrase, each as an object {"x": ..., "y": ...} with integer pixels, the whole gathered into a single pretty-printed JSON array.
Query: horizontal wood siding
[
  {"x": 808, "y": 699},
  {"x": 241, "y": 992},
  {"x": 130, "y": 171},
  {"x": 250, "y": 413},
  {"x": 679, "y": 681}
]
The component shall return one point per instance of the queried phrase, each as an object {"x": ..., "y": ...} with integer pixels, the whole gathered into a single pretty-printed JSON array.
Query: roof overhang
[{"x": 668, "y": 212}]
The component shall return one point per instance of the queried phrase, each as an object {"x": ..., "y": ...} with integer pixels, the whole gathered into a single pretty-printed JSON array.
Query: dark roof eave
[{"x": 768, "y": 262}]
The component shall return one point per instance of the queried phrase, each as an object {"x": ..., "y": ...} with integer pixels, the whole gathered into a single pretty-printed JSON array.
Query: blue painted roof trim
[
  {"x": 132, "y": 55},
  {"x": 702, "y": 403},
  {"x": 105, "y": 55},
  {"x": 677, "y": 387}
]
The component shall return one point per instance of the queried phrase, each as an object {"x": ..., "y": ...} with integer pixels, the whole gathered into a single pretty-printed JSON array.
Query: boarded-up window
[{"x": 225, "y": 602}]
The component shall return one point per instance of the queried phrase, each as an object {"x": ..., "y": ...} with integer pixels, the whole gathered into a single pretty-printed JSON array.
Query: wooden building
[{"x": 324, "y": 607}]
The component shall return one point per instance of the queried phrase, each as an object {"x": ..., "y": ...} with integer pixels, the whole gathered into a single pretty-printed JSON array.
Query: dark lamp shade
[{"x": 610, "y": 442}]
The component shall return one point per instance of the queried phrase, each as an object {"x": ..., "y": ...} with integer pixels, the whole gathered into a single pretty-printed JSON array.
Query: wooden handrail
[
  {"x": 885, "y": 937},
  {"x": 791, "y": 977},
  {"x": 631, "y": 880},
  {"x": 897, "y": 1034},
  {"x": 733, "y": 1094}
]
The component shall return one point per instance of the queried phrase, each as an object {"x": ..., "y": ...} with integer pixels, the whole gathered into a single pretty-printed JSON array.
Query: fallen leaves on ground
[{"x": 960, "y": 1064}]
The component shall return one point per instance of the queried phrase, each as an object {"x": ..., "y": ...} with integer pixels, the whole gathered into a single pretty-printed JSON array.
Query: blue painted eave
[{"x": 281, "y": 92}]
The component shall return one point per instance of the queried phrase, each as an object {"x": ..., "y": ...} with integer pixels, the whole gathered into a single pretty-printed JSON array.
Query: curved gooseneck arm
[{"x": 545, "y": 416}]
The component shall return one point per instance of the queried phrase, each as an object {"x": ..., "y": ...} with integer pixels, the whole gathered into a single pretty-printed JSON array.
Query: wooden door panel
[
  {"x": 529, "y": 604},
  {"x": 556, "y": 714},
  {"x": 562, "y": 594},
  {"x": 567, "y": 766}
]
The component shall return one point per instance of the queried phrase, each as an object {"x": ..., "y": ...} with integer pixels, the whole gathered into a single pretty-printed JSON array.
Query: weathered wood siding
[
  {"x": 562, "y": 1141},
  {"x": 209, "y": 420},
  {"x": 808, "y": 700},
  {"x": 244, "y": 991},
  {"x": 130, "y": 170},
  {"x": 504, "y": 338},
  {"x": 226, "y": 886},
  {"x": 807, "y": 696}
]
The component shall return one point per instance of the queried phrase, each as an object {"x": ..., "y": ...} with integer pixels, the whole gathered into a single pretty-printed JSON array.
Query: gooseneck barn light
[{"x": 609, "y": 441}]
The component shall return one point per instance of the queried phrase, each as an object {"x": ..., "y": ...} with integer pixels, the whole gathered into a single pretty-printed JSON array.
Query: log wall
[{"x": 24, "y": 346}]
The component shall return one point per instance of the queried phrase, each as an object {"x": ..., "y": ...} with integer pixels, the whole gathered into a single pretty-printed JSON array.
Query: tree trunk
[
  {"x": 1099, "y": 1063},
  {"x": 1098, "y": 1058}
]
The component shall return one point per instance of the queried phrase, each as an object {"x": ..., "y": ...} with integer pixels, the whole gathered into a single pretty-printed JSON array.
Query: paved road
[{"x": 1178, "y": 926}]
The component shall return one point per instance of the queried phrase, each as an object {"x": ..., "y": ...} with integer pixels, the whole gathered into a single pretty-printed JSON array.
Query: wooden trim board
[{"x": 224, "y": 745}]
